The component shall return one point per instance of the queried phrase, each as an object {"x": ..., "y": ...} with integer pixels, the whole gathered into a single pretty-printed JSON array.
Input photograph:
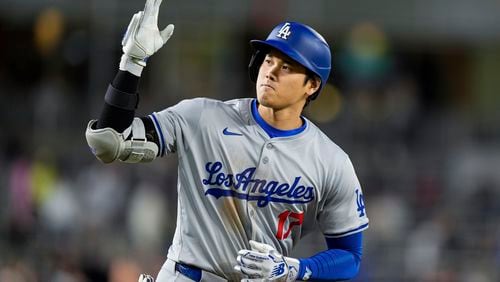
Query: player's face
[{"x": 281, "y": 82}]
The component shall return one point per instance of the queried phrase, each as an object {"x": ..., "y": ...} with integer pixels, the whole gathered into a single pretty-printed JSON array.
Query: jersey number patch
[{"x": 298, "y": 218}]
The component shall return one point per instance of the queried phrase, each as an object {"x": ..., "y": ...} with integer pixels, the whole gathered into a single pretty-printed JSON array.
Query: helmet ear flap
[{"x": 254, "y": 65}]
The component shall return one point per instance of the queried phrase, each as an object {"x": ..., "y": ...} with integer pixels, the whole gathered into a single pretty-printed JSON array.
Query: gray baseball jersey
[{"x": 235, "y": 184}]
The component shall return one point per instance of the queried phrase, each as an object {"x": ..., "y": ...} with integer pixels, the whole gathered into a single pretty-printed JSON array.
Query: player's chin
[{"x": 266, "y": 99}]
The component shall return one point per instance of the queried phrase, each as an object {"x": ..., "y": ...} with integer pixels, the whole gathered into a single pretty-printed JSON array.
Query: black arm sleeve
[{"x": 114, "y": 117}]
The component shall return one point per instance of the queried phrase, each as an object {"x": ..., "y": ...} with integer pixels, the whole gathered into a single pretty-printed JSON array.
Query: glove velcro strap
[
  {"x": 132, "y": 65},
  {"x": 120, "y": 99}
]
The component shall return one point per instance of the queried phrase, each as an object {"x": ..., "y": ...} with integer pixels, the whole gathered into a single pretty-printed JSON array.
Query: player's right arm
[{"x": 117, "y": 135}]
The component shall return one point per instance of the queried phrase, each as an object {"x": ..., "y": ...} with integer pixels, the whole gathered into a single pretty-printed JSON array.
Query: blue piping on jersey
[
  {"x": 162, "y": 140},
  {"x": 347, "y": 232},
  {"x": 271, "y": 131}
]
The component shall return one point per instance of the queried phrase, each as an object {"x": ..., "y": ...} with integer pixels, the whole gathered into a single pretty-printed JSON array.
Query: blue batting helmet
[{"x": 299, "y": 42}]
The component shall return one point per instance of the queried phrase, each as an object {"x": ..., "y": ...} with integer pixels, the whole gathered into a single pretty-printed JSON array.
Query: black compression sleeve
[
  {"x": 126, "y": 82},
  {"x": 114, "y": 117}
]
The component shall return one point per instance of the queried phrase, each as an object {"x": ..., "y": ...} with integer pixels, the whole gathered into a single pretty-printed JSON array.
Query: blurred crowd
[{"x": 420, "y": 122}]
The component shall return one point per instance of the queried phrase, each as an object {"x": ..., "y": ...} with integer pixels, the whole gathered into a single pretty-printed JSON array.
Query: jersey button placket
[{"x": 265, "y": 160}]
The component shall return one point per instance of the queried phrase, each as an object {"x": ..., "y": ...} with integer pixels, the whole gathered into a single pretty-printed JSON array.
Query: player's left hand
[{"x": 264, "y": 263}]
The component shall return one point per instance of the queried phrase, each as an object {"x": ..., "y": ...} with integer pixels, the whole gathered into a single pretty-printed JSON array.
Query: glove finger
[
  {"x": 132, "y": 26},
  {"x": 239, "y": 269},
  {"x": 149, "y": 7},
  {"x": 157, "y": 3},
  {"x": 248, "y": 263},
  {"x": 252, "y": 255},
  {"x": 151, "y": 14},
  {"x": 261, "y": 247},
  {"x": 167, "y": 32},
  {"x": 251, "y": 273}
]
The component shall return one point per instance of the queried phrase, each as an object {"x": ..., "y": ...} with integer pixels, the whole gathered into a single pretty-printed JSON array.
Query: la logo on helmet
[{"x": 284, "y": 31}]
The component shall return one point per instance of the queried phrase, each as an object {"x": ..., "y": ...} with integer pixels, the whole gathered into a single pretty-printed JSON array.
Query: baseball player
[{"x": 255, "y": 176}]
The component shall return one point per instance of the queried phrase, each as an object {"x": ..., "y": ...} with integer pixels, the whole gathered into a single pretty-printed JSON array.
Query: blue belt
[{"x": 193, "y": 273}]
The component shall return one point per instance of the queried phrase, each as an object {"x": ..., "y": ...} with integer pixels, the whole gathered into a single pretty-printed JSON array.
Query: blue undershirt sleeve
[{"x": 340, "y": 262}]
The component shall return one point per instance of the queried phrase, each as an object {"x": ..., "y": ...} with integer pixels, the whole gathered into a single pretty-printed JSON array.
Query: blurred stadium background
[{"x": 413, "y": 97}]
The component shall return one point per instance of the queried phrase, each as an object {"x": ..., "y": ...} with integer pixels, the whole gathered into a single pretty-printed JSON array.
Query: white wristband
[{"x": 131, "y": 65}]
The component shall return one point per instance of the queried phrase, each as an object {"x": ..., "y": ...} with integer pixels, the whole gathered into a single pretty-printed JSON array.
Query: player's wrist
[
  {"x": 132, "y": 65},
  {"x": 293, "y": 268}
]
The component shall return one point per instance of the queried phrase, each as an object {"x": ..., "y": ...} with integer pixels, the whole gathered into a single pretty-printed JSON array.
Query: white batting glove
[
  {"x": 264, "y": 263},
  {"x": 146, "y": 278},
  {"x": 143, "y": 38}
]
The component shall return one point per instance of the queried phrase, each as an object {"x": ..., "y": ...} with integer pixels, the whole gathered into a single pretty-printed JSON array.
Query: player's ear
[{"x": 312, "y": 85}]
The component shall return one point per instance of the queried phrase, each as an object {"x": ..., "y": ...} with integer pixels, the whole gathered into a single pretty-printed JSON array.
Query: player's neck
[{"x": 285, "y": 119}]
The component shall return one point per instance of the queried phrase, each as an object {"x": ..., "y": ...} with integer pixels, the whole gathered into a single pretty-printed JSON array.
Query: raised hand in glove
[
  {"x": 264, "y": 263},
  {"x": 143, "y": 38}
]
